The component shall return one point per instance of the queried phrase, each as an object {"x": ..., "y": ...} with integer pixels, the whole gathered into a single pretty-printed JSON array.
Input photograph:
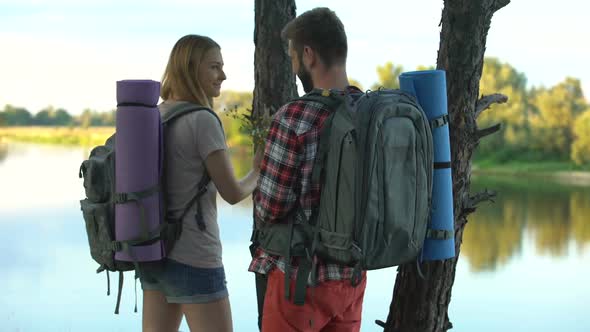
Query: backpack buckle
[
  {"x": 439, "y": 234},
  {"x": 200, "y": 221},
  {"x": 120, "y": 198},
  {"x": 357, "y": 252},
  {"x": 440, "y": 121},
  {"x": 116, "y": 246},
  {"x": 82, "y": 171},
  {"x": 202, "y": 191}
]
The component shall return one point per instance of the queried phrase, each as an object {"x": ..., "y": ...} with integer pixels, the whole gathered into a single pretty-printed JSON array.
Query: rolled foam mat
[
  {"x": 138, "y": 163},
  {"x": 430, "y": 88}
]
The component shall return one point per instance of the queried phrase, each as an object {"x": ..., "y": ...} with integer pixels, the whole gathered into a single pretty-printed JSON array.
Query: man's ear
[{"x": 309, "y": 56}]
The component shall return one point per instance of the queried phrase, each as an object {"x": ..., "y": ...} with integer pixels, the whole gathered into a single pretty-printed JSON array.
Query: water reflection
[
  {"x": 551, "y": 214},
  {"x": 530, "y": 227}
]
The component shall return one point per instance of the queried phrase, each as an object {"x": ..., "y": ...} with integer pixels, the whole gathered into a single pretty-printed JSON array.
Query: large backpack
[
  {"x": 375, "y": 167},
  {"x": 98, "y": 208}
]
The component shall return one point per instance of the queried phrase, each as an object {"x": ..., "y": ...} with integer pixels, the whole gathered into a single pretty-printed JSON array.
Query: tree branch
[
  {"x": 483, "y": 196},
  {"x": 486, "y": 101},
  {"x": 475, "y": 200},
  {"x": 488, "y": 131}
]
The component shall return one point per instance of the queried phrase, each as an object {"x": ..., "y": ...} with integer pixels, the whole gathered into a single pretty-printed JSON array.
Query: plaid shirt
[{"x": 285, "y": 178}]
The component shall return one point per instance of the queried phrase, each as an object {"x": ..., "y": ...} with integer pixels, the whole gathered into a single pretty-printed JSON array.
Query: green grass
[
  {"x": 75, "y": 136},
  {"x": 506, "y": 162},
  {"x": 508, "y": 182},
  {"x": 535, "y": 174},
  {"x": 519, "y": 166},
  {"x": 519, "y": 161}
]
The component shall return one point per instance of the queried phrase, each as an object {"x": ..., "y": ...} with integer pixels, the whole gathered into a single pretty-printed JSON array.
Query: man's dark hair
[{"x": 321, "y": 30}]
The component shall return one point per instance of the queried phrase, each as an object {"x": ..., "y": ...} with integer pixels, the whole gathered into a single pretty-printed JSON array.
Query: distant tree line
[
  {"x": 50, "y": 116},
  {"x": 539, "y": 123}
]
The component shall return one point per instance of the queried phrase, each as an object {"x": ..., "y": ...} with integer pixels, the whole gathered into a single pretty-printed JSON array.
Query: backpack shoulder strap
[
  {"x": 186, "y": 108},
  {"x": 332, "y": 101},
  {"x": 323, "y": 96},
  {"x": 175, "y": 113},
  {"x": 202, "y": 189}
]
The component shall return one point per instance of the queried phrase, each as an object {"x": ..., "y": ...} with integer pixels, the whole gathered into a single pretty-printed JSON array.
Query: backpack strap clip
[
  {"x": 202, "y": 191},
  {"x": 120, "y": 198},
  {"x": 439, "y": 122},
  {"x": 82, "y": 170},
  {"x": 439, "y": 234},
  {"x": 124, "y": 197},
  {"x": 199, "y": 217},
  {"x": 116, "y": 246}
]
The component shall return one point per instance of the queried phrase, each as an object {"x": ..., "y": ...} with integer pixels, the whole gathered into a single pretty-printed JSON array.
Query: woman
[{"x": 191, "y": 281}]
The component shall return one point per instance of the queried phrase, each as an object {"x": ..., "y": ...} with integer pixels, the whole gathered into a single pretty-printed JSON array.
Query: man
[{"x": 318, "y": 50}]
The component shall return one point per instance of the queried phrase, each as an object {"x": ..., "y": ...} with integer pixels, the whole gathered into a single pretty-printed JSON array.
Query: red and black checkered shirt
[{"x": 285, "y": 178}]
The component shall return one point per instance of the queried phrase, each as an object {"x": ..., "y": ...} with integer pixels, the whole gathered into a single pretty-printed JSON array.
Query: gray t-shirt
[{"x": 188, "y": 142}]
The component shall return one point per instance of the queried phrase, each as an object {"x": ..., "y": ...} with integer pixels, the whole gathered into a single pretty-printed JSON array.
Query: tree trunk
[
  {"x": 422, "y": 305},
  {"x": 274, "y": 82}
]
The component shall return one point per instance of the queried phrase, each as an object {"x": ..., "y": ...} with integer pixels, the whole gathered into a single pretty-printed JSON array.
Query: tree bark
[
  {"x": 274, "y": 81},
  {"x": 422, "y": 305}
]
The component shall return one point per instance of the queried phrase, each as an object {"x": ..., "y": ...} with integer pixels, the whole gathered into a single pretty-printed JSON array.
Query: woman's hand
[
  {"x": 258, "y": 156},
  {"x": 221, "y": 170}
]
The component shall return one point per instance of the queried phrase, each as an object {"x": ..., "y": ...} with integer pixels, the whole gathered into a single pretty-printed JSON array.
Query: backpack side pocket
[{"x": 98, "y": 219}]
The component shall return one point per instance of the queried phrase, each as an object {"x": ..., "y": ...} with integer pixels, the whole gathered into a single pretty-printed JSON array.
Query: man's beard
[{"x": 305, "y": 78}]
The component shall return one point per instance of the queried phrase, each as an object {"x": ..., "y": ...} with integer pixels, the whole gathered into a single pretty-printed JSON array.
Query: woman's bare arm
[{"x": 221, "y": 171}]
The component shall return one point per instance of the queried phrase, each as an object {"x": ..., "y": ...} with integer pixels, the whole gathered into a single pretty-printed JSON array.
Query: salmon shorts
[{"x": 332, "y": 306}]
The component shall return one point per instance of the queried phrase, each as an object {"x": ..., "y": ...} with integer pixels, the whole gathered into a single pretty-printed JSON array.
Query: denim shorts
[{"x": 181, "y": 283}]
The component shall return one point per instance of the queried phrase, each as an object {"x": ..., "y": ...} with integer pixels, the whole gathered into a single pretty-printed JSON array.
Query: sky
[{"x": 70, "y": 53}]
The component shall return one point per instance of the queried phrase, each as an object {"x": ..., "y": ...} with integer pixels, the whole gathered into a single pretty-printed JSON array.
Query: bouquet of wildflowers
[{"x": 255, "y": 125}]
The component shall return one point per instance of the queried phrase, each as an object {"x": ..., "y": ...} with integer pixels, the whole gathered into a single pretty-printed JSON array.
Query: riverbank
[
  {"x": 560, "y": 171},
  {"x": 75, "y": 136}
]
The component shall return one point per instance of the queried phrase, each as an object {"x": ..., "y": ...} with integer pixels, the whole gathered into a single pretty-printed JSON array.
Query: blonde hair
[{"x": 180, "y": 79}]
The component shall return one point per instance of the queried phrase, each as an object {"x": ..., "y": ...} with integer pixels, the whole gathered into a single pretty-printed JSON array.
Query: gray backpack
[
  {"x": 375, "y": 167},
  {"x": 98, "y": 208}
]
